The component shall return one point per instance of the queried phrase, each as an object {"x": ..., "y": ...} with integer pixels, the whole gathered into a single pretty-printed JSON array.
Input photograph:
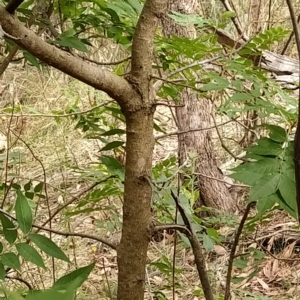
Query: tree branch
[
  {"x": 66, "y": 234},
  {"x": 13, "y": 5},
  {"x": 197, "y": 251},
  {"x": 116, "y": 87},
  {"x": 233, "y": 250},
  {"x": 297, "y": 134}
]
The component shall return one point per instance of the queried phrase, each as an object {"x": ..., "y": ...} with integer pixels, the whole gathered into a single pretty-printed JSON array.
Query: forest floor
[{"x": 58, "y": 148}]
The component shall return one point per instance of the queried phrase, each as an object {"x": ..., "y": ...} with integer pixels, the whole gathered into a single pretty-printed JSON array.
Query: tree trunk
[
  {"x": 132, "y": 252},
  {"x": 135, "y": 96},
  {"x": 196, "y": 113}
]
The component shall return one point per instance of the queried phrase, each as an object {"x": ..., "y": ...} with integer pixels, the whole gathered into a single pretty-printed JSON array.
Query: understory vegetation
[{"x": 123, "y": 123}]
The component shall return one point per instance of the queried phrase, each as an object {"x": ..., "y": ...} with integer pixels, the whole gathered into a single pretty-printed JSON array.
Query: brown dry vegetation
[{"x": 59, "y": 147}]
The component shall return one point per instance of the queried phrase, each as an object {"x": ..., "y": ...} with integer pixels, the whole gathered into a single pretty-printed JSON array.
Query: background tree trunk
[{"x": 196, "y": 113}]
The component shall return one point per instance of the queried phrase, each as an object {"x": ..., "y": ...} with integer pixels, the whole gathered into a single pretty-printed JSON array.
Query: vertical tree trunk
[
  {"x": 196, "y": 113},
  {"x": 132, "y": 252},
  {"x": 139, "y": 111}
]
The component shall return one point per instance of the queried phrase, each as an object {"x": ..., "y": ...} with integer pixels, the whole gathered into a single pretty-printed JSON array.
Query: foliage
[
  {"x": 20, "y": 235},
  {"x": 270, "y": 172},
  {"x": 240, "y": 87}
]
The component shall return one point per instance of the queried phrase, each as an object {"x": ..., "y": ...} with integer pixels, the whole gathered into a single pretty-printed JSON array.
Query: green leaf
[
  {"x": 241, "y": 97},
  {"x": 27, "y": 186},
  {"x": 11, "y": 260},
  {"x": 228, "y": 14},
  {"x": 67, "y": 294},
  {"x": 113, "y": 165},
  {"x": 240, "y": 263},
  {"x": 72, "y": 42},
  {"x": 113, "y": 132},
  {"x": 277, "y": 133},
  {"x": 9, "y": 229},
  {"x": 136, "y": 5},
  {"x": 80, "y": 275},
  {"x": 2, "y": 272},
  {"x": 246, "y": 177},
  {"x": 266, "y": 146},
  {"x": 23, "y": 213},
  {"x": 264, "y": 187},
  {"x": 38, "y": 188},
  {"x": 211, "y": 86},
  {"x": 208, "y": 243},
  {"x": 30, "y": 254},
  {"x": 112, "y": 145},
  {"x": 287, "y": 189},
  {"x": 32, "y": 59},
  {"x": 266, "y": 203},
  {"x": 1, "y": 247},
  {"x": 263, "y": 166},
  {"x": 48, "y": 246}
]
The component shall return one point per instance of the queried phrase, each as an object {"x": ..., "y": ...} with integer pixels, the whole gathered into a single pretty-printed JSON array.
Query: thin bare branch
[
  {"x": 233, "y": 250},
  {"x": 297, "y": 134},
  {"x": 74, "y": 198},
  {"x": 57, "y": 115},
  {"x": 235, "y": 20},
  {"x": 191, "y": 130},
  {"x": 221, "y": 180},
  {"x": 197, "y": 251},
  {"x": 66, "y": 234}
]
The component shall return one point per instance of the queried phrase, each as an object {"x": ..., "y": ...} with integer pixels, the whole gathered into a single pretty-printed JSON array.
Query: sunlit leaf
[
  {"x": 11, "y": 260},
  {"x": 48, "y": 246},
  {"x": 23, "y": 212},
  {"x": 30, "y": 254}
]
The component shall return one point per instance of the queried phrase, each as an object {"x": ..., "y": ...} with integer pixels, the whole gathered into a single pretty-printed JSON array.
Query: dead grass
[{"x": 59, "y": 147}]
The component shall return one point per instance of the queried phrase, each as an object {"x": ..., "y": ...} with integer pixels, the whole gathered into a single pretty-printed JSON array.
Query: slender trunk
[
  {"x": 136, "y": 231},
  {"x": 196, "y": 113},
  {"x": 132, "y": 252}
]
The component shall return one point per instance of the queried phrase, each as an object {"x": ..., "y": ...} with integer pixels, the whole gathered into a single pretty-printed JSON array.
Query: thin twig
[
  {"x": 21, "y": 280},
  {"x": 233, "y": 250},
  {"x": 66, "y": 234},
  {"x": 112, "y": 63},
  {"x": 181, "y": 228},
  {"x": 289, "y": 39},
  {"x": 107, "y": 281},
  {"x": 58, "y": 115},
  {"x": 221, "y": 180},
  {"x": 6, "y": 189},
  {"x": 236, "y": 22},
  {"x": 46, "y": 194},
  {"x": 75, "y": 198},
  {"x": 192, "y": 130},
  {"x": 297, "y": 134},
  {"x": 197, "y": 251},
  {"x": 223, "y": 144}
]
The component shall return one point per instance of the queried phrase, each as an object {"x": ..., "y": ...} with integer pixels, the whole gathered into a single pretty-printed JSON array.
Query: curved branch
[
  {"x": 116, "y": 87},
  {"x": 13, "y": 5},
  {"x": 21, "y": 280}
]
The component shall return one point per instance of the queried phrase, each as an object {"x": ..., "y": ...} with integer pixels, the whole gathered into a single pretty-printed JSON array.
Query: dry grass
[{"x": 60, "y": 148}]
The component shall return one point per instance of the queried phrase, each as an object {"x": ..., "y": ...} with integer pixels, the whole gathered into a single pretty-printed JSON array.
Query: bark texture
[
  {"x": 196, "y": 113},
  {"x": 136, "y": 231}
]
